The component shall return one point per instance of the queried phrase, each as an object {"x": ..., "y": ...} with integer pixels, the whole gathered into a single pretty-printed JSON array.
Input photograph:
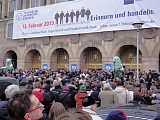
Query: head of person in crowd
[
  {"x": 56, "y": 84},
  {"x": 47, "y": 88},
  {"x": 56, "y": 110},
  {"x": 107, "y": 86},
  {"x": 74, "y": 114},
  {"x": 23, "y": 105},
  {"x": 83, "y": 89},
  {"x": 48, "y": 99},
  {"x": 30, "y": 85},
  {"x": 89, "y": 102},
  {"x": 10, "y": 90},
  {"x": 117, "y": 115},
  {"x": 37, "y": 85},
  {"x": 98, "y": 86},
  {"x": 38, "y": 94},
  {"x": 66, "y": 89},
  {"x": 120, "y": 81}
]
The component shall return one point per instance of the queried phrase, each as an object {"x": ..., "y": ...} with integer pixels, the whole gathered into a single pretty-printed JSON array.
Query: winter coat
[
  {"x": 92, "y": 113},
  {"x": 108, "y": 97},
  {"x": 64, "y": 98},
  {"x": 124, "y": 96},
  {"x": 78, "y": 98}
]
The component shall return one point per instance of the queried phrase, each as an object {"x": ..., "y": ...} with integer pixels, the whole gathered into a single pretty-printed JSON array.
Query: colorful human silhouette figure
[
  {"x": 82, "y": 14},
  {"x": 57, "y": 17},
  {"x": 72, "y": 14},
  {"x": 61, "y": 17},
  {"x": 77, "y": 15},
  {"x": 88, "y": 12},
  {"x": 67, "y": 17}
]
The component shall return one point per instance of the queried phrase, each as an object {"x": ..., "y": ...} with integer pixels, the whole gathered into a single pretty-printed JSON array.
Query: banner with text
[{"x": 85, "y": 16}]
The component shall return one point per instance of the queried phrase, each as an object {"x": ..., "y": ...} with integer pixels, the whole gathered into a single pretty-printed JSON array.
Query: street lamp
[{"x": 138, "y": 26}]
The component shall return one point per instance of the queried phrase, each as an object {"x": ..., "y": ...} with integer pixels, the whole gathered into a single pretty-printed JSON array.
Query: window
[
  {"x": 19, "y": 4},
  {"x": 43, "y": 2},
  {"x": 0, "y": 9},
  {"x": 35, "y": 3},
  {"x": 12, "y": 5},
  {"x": 9, "y": 30}
]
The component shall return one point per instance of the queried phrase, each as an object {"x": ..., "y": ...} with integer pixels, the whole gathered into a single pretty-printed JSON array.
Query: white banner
[{"x": 85, "y": 16}]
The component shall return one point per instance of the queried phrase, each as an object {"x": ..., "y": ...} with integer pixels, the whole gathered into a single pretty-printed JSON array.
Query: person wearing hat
[
  {"x": 95, "y": 94},
  {"x": 65, "y": 98},
  {"x": 89, "y": 105},
  {"x": 9, "y": 91},
  {"x": 80, "y": 95},
  {"x": 117, "y": 115}
]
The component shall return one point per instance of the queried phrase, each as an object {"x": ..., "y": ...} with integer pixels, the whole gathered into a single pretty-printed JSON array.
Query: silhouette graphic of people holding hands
[
  {"x": 67, "y": 17},
  {"x": 77, "y": 15},
  {"x": 57, "y": 17},
  {"x": 82, "y": 14},
  {"x": 88, "y": 12},
  {"x": 61, "y": 17},
  {"x": 72, "y": 14}
]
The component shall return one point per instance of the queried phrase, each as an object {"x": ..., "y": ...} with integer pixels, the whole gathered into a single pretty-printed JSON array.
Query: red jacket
[{"x": 78, "y": 98}]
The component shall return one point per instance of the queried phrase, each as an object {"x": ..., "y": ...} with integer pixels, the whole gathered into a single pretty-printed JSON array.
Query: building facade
[{"x": 83, "y": 51}]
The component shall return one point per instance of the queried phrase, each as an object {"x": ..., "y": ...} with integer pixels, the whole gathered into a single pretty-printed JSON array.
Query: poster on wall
[
  {"x": 84, "y": 16},
  {"x": 73, "y": 66},
  {"x": 44, "y": 66},
  {"x": 108, "y": 66}
]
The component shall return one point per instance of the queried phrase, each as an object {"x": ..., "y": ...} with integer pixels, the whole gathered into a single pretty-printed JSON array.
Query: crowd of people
[{"x": 73, "y": 95}]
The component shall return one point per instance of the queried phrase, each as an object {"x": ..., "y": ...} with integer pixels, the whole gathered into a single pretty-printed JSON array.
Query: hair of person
[
  {"x": 56, "y": 110},
  {"x": 37, "y": 84},
  {"x": 48, "y": 97},
  {"x": 19, "y": 104},
  {"x": 74, "y": 114}
]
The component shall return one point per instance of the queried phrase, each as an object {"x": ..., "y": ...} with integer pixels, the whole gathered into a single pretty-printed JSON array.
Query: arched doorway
[
  {"x": 60, "y": 59},
  {"x": 128, "y": 57},
  {"x": 33, "y": 60},
  {"x": 10, "y": 55},
  {"x": 91, "y": 58}
]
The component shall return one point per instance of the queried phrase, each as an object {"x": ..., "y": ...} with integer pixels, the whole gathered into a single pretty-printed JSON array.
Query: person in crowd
[
  {"x": 137, "y": 91},
  {"x": 56, "y": 110},
  {"x": 48, "y": 98},
  {"x": 56, "y": 89},
  {"x": 117, "y": 115},
  {"x": 80, "y": 95},
  {"x": 37, "y": 87},
  {"x": 30, "y": 85},
  {"x": 9, "y": 91},
  {"x": 89, "y": 105},
  {"x": 122, "y": 93},
  {"x": 65, "y": 98},
  {"x": 147, "y": 97},
  {"x": 24, "y": 105},
  {"x": 39, "y": 95},
  {"x": 75, "y": 114},
  {"x": 111, "y": 98},
  {"x": 95, "y": 94}
]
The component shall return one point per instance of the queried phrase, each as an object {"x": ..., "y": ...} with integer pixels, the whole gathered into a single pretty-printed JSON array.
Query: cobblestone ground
[{"x": 134, "y": 112}]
